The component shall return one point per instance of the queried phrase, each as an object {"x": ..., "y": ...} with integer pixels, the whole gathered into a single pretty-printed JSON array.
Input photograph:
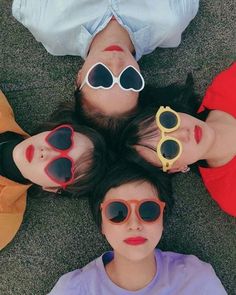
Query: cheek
[
  {"x": 38, "y": 176},
  {"x": 190, "y": 154},
  {"x": 156, "y": 233},
  {"x": 39, "y": 138},
  {"x": 107, "y": 229},
  {"x": 111, "y": 232}
]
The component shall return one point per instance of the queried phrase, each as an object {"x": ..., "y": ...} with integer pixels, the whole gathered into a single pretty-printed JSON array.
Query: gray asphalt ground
[{"x": 58, "y": 234}]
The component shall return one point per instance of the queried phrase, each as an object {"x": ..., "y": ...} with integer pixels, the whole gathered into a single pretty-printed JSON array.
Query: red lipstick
[
  {"x": 134, "y": 241},
  {"x": 29, "y": 153},
  {"x": 198, "y": 134},
  {"x": 113, "y": 48}
]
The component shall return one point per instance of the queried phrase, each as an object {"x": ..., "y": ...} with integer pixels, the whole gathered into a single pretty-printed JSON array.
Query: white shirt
[{"x": 68, "y": 27}]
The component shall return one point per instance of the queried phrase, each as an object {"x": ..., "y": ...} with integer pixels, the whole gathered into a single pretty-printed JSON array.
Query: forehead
[
  {"x": 114, "y": 101},
  {"x": 40, "y": 136},
  {"x": 133, "y": 190},
  {"x": 82, "y": 145}
]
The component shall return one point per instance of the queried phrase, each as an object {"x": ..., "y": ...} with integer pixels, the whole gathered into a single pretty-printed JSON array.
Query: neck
[
  {"x": 223, "y": 148},
  {"x": 131, "y": 275},
  {"x": 113, "y": 33}
]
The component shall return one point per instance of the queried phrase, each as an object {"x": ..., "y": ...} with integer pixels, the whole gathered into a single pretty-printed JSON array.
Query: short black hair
[{"x": 126, "y": 172}]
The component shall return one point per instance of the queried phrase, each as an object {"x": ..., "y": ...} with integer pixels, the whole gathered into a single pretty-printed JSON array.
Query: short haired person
[
  {"x": 62, "y": 157},
  {"x": 110, "y": 36},
  {"x": 172, "y": 138},
  {"x": 129, "y": 206}
]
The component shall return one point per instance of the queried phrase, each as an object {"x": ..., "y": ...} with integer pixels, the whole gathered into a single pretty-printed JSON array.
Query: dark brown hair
[
  {"x": 92, "y": 165},
  {"x": 141, "y": 127}
]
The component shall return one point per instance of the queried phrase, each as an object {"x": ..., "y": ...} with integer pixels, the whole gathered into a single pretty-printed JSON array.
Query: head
[
  {"x": 64, "y": 156},
  {"x": 108, "y": 84},
  {"x": 131, "y": 185},
  {"x": 168, "y": 139},
  {"x": 144, "y": 137}
]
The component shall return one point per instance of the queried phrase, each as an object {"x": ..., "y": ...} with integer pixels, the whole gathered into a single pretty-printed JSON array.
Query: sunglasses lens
[
  {"x": 149, "y": 211},
  {"x": 116, "y": 212},
  {"x": 170, "y": 149},
  {"x": 60, "y": 170},
  {"x": 100, "y": 76},
  {"x": 168, "y": 120},
  {"x": 60, "y": 138},
  {"x": 130, "y": 79}
]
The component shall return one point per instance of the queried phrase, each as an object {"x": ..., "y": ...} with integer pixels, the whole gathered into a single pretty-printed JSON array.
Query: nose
[
  {"x": 134, "y": 223},
  {"x": 46, "y": 153},
  {"x": 116, "y": 65},
  {"x": 182, "y": 134}
]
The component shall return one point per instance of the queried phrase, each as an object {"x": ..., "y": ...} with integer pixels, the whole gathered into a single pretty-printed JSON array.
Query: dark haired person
[
  {"x": 129, "y": 206},
  {"x": 173, "y": 139},
  {"x": 62, "y": 157},
  {"x": 111, "y": 36}
]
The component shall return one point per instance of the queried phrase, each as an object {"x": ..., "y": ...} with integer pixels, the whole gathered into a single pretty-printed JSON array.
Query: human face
[
  {"x": 195, "y": 136},
  {"x": 113, "y": 101},
  {"x": 133, "y": 239},
  {"x": 35, "y": 154}
]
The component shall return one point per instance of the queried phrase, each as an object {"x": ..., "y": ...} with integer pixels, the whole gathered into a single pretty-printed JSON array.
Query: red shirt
[{"x": 221, "y": 181}]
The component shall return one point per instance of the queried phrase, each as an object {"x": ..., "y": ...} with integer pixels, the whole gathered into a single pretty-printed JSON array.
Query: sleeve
[
  {"x": 183, "y": 12},
  {"x": 69, "y": 284},
  {"x": 220, "y": 95},
  {"x": 212, "y": 283},
  {"x": 8, "y": 122},
  {"x": 58, "y": 25},
  {"x": 220, "y": 182},
  {"x": 27, "y": 11},
  {"x": 39, "y": 17},
  {"x": 5, "y": 108},
  {"x": 198, "y": 276}
]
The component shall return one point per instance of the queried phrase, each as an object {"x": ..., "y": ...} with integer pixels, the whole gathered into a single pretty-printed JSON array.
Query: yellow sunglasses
[{"x": 169, "y": 148}]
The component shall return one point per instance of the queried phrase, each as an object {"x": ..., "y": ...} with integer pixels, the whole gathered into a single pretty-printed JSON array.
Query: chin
[{"x": 136, "y": 254}]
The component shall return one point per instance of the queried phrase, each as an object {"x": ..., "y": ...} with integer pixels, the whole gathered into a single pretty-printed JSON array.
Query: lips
[
  {"x": 198, "y": 134},
  {"x": 29, "y": 153},
  {"x": 135, "y": 241},
  {"x": 113, "y": 48}
]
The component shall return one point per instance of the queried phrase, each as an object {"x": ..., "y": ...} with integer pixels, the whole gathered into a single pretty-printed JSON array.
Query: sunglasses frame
[
  {"x": 167, "y": 163},
  {"x": 116, "y": 80},
  {"x": 63, "y": 154},
  {"x": 128, "y": 203}
]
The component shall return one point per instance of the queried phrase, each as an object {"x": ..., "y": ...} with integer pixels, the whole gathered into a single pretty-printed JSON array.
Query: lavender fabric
[{"x": 177, "y": 274}]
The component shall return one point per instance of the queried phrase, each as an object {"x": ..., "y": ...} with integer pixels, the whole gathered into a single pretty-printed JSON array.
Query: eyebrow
[{"x": 147, "y": 146}]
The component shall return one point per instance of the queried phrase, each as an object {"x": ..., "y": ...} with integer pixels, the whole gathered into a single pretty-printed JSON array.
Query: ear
[
  {"x": 50, "y": 189},
  {"x": 78, "y": 79},
  {"x": 183, "y": 168},
  {"x": 173, "y": 170}
]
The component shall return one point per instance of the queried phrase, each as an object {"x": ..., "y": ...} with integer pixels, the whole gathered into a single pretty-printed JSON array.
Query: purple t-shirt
[{"x": 177, "y": 274}]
